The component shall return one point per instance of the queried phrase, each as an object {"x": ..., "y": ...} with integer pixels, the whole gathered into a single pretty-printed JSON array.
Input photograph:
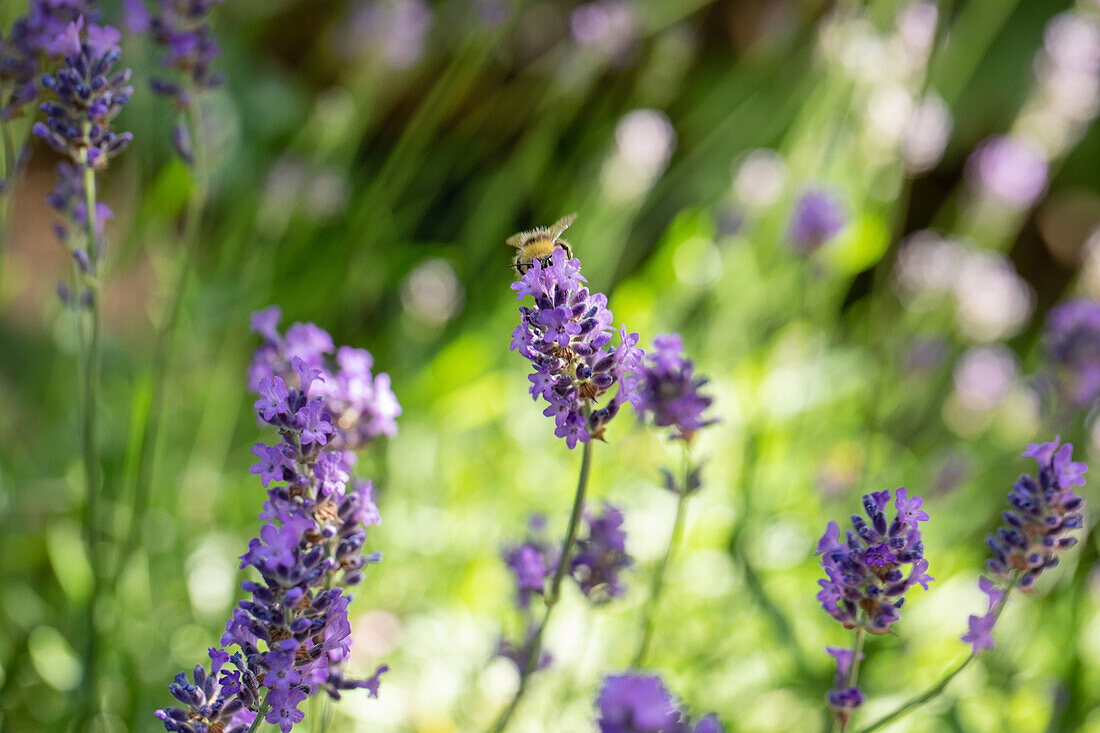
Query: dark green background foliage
[{"x": 374, "y": 201}]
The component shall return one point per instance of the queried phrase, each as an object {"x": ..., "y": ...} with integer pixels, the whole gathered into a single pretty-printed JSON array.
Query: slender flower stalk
[
  {"x": 533, "y": 647},
  {"x": 1044, "y": 510},
  {"x": 667, "y": 395}
]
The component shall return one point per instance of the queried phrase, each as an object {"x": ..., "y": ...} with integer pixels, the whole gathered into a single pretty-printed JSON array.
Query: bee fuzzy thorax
[{"x": 539, "y": 243}]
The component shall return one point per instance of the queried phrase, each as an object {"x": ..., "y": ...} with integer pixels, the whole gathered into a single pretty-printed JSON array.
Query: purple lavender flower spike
[
  {"x": 865, "y": 581},
  {"x": 182, "y": 31},
  {"x": 33, "y": 38},
  {"x": 292, "y": 635},
  {"x": 601, "y": 556},
  {"x": 640, "y": 703},
  {"x": 1043, "y": 512},
  {"x": 818, "y": 217},
  {"x": 667, "y": 390},
  {"x": 1071, "y": 345},
  {"x": 88, "y": 97},
  {"x": 567, "y": 337}
]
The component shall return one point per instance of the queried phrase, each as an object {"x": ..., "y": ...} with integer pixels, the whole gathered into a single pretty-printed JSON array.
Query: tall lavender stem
[
  {"x": 535, "y": 644},
  {"x": 165, "y": 342},
  {"x": 92, "y": 475},
  {"x": 674, "y": 540}
]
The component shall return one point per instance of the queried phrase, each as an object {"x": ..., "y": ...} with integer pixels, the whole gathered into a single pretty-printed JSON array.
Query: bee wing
[
  {"x": 516, "y": 240},
  {"x": 561, "y": 225}
]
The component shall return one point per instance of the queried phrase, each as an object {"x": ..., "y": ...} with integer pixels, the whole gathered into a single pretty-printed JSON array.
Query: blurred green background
[{"x": 368, "y": 161}]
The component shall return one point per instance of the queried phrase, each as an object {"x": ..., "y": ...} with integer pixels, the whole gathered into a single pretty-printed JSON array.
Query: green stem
[
  {"x": 853, "y": 672},
  {"x": 90, "y": 452},
  {"x": 163, "y": 348},
  {"x": 915, "y": 702},
  {"x": 534, "y": 645},
  {"x": 259, "y": 719},
  {"x": 674, "y": 540}
]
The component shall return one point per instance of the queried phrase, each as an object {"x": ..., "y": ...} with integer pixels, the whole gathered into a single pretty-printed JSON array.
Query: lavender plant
[
  {"x": 88, "y": 95},
  {"x": 1044, "y": 510},
  {"x": 866, "y": 581},
  {"x": 640, "y": 703},
  {"x": 567, "y": 337},
  {"x": 292, "y": 636},
  {"x": 668, "y": 395}
]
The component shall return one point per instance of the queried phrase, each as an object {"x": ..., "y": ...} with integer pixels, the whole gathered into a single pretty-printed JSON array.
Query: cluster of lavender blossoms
[
  {"x": 865, "y": 584},
  {"x": 182, "y": 30},
  {"x": 818, "y": 217},
  {"x": 596, "y": 567},
  {"x": 35, "y": 37},
  {"x": 1043, "y": 512},
  {"x": 89, "y": 96},
  {"x": 567, "y": 337},
  {"x": 1072, "y": 347},
  {"x": 293, "y": 635},
  {"x": 640, "y": 703},
  {"x": 667, "y": 390}
]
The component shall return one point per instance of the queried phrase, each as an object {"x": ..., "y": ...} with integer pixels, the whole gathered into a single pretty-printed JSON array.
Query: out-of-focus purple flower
[
  {"x": 293, "y": 633},
  {"x": 532, "y": 563},
  {"x": 358, "y": 406},
  {"x": 567, "y": 337},
  {"x": 182, "y": 31},
  {"x": 640, "y": 703},
  {"x": 818, "y": 217},
  {"x": 1072, "y": 347},
  {"x": 43, "y": 32},
  {"x": 667, "y": 390},
  {"x": 601, "y": 557},
  {"x": 1011, "y": 170},
  {"x": 608, "y": 26},
  {"x": 865, "y": 580},
  {"x": 396, "y": 31}
]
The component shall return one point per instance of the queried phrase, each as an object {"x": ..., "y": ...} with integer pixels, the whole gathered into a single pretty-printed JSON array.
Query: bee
[{"x": 539, "y": 244}]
